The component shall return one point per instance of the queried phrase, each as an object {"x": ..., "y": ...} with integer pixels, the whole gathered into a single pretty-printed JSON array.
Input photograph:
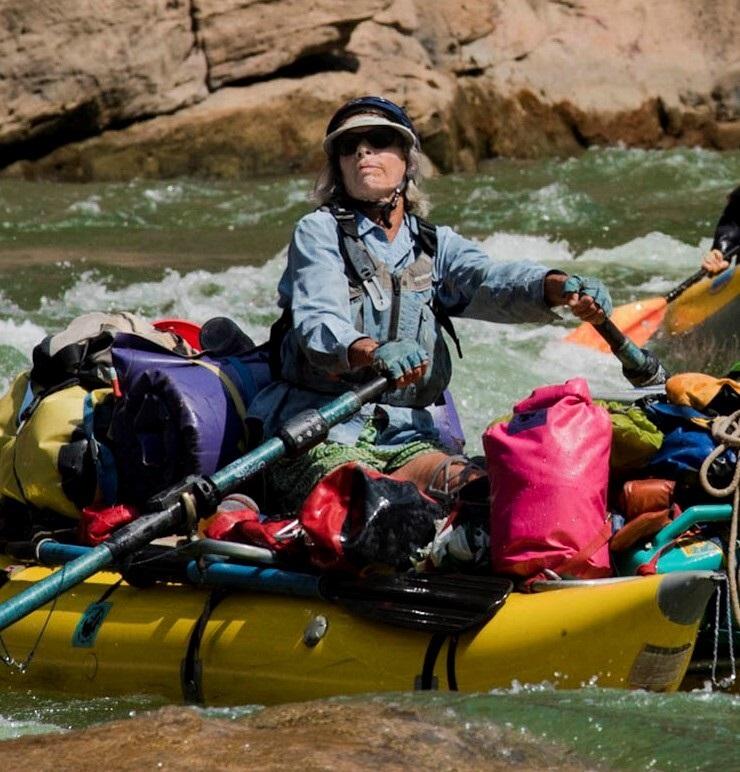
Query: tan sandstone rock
[
  {"x": 253, "y": 38},
  {"x": 616, "y": 71},
  {"x": 480, "y": 78},
  {"x": 340, "y": 735},
  {"x": 74, "y": 67},
  {"x": 268, "y": 128}
]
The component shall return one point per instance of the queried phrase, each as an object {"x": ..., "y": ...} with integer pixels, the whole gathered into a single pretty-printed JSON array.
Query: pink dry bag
[{"x": 549, "y": 469}]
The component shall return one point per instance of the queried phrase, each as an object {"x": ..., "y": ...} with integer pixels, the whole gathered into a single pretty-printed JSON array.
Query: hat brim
[{"x": 366, "y": 120}]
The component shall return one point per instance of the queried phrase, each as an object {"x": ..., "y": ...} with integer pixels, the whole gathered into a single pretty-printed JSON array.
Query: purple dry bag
[{"x": 179, "y": 415}]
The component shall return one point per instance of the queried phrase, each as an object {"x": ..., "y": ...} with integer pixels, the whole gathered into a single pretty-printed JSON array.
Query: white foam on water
[
  {"x": 655, "y": 251},
  {"x": 502, "y": 363},
  {"x": 557, "y": 203},
  {"x": 89, "y": 206},
  {"x": 244, "y": 293},
  {"x": 22, "y": 336},
  {"x": 166, "y": 194},
  {"x": 503, "y": 247}
]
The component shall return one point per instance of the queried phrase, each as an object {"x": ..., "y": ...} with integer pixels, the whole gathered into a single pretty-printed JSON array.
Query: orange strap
[{"x": 575, "y": 563}]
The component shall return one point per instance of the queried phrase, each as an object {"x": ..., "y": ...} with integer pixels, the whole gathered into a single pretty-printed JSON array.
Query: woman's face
[{"x": 372, "y": 163}]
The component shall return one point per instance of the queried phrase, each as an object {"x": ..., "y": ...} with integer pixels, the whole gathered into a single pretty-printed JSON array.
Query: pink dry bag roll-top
[{"x": 549, "y": 469}]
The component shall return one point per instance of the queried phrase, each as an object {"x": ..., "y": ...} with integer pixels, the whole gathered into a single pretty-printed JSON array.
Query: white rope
[{"x": 726, "y": 433}]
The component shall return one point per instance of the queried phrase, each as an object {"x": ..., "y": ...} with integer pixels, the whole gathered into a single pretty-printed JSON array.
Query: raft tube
[{"x": 227, "y": 647}]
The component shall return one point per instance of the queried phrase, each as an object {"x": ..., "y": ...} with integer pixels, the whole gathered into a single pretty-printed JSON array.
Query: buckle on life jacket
[{"x": 376, "y": 293}]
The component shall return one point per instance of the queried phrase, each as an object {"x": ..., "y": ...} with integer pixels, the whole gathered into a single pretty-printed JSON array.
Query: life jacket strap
[
  {"x": 358, "y": 256},
  {"x": 365, "y": 267}
]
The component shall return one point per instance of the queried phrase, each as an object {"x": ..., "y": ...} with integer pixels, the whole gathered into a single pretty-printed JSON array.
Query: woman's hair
[{"x": 329, "y": 186}]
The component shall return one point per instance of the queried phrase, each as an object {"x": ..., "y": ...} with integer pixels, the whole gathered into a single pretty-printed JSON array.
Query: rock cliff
[{"x": 114, "y": 89}]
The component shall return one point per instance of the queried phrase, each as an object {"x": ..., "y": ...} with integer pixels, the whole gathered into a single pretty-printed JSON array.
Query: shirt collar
[{"x": 403, "y": 239}]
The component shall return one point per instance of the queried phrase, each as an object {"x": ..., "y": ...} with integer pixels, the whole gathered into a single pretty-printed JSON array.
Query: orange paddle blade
[{"x": 639, "y": 321}]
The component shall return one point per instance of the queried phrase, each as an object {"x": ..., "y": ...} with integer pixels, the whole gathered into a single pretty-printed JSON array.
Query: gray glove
[
  {"x": 595, "y": 288},
  {"x": 397, "y": 358}
]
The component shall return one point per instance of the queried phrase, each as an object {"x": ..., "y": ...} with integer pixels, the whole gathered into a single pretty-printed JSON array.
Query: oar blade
[
  {"x": 434, "y": 603},
  {"x": 639, "y": 321}
]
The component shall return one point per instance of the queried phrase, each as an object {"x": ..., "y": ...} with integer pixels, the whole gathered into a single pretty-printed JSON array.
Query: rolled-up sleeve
[
  {"x": 320, "y": 293},
  {"x": 469, "y": 283}
]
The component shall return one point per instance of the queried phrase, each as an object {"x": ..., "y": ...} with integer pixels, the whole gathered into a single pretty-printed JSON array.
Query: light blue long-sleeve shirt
[{"x": 315, "y": 286}]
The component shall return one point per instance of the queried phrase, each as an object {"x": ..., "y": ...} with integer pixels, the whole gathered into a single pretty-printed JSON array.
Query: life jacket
[
  {"x": 398, "y": 305},
  {"x": 52, "y": 454}
]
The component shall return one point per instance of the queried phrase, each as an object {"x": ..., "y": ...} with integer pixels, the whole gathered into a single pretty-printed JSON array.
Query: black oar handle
[
  {"x": 696, "y": 277},
  {"x": 640, "y": 366},
  {"x": 684, "y": 285}
]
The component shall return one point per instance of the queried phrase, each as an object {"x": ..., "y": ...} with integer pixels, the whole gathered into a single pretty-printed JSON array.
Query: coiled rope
[{"x": 726, "y": 433}]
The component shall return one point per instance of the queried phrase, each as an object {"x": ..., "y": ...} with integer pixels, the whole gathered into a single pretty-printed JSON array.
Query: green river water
[{"x": 638, "y": 219}]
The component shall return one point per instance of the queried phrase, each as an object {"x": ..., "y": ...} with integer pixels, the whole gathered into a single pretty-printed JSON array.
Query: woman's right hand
[
  {"x": 714, "y": 262},
  {"x": 404, "y": 361}
]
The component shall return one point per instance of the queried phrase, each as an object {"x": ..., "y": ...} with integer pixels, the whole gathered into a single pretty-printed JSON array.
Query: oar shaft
[
  {"x": 255, "y": 579},
  {"x": 695, "y": 278},
  {"x": 69, "y": 575},
  {"x": 301, "y": 433},
  {"x": 684, "y": 285},
  {"x": 640, "y": 367},
  {"x": 137, "y": 534},
  {"x": 128, "y": 539}
]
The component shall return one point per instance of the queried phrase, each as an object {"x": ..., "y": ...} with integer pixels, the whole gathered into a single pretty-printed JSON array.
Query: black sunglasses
[{"x": 379, "y": 138}]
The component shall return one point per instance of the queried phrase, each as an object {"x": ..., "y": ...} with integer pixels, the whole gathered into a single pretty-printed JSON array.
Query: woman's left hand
[{"x": 587, "y": 297}]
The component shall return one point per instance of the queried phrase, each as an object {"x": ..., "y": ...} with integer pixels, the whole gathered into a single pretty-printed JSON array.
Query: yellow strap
[{"x": 236, "y": 397}]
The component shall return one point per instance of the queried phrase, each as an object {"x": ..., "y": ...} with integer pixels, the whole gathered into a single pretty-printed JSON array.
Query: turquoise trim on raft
[
  {"x": 212, "y": 572},
  {"x": 254, "y": 578}
]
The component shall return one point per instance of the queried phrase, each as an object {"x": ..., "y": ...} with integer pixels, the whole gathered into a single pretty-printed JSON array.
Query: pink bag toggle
[{"x": 549, "y": 470}]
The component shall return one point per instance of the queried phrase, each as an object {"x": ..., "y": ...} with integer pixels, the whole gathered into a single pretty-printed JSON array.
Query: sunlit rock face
[{"x": 235, "y": 88}]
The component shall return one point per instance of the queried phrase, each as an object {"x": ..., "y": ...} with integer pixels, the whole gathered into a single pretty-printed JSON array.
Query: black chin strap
[
  {"x": 386, "y": 208},
  {"x": 382, "y": 209}
]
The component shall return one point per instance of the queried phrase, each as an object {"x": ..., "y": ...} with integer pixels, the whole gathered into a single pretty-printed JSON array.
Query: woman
[{"x": 369, "y": 286}]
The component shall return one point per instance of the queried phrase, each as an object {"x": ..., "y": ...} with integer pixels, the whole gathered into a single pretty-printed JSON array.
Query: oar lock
[{"x": 197, "y": 496}]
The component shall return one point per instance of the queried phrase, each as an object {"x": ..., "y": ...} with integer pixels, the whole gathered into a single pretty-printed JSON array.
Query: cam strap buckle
[{"x": 376, "y": 293}]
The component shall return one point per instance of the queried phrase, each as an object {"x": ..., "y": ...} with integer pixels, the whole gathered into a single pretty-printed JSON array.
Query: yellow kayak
[
  {"x": 187, "y": 643},
  {"x": 710, "y": 307}
]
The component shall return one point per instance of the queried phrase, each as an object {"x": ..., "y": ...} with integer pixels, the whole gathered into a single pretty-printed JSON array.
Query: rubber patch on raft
[
  {"x": 89, "y": 625},
  {"x": 657, "y": 668}
]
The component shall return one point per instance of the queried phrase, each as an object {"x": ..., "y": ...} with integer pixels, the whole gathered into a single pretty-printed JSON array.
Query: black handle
[{"x": 639, "y": 366}]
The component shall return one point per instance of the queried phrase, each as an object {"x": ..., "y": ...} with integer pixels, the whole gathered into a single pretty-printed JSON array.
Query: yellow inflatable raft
[{"x": 105, "y": 637}]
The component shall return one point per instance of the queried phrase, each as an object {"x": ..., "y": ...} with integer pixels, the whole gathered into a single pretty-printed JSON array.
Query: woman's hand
[
  {"x": 404, "y": 361},
  {"x": 587, "y": 297},
  {"x": 714, "y": 262}
]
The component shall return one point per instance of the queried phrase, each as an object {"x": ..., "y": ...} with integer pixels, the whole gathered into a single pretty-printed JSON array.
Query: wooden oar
[
  {"x": 639, "y": 320},
  {"x": 193, "y": 498}
]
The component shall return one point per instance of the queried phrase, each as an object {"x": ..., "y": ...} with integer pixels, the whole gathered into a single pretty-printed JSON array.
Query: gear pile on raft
[
  {"x": 326, "y": 467},
  {"x": 119, "y": 418}
]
